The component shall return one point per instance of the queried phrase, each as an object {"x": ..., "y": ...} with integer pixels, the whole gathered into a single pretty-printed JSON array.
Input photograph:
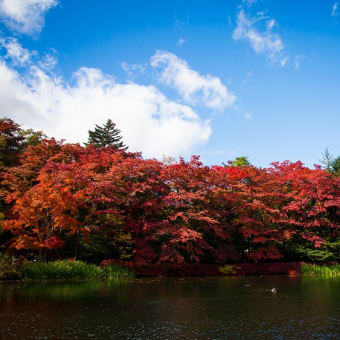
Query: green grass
[
  {"x": 320, "y": 270},
  {"x": 115, "y": 272},
  {"x": 70, "y": 270}
]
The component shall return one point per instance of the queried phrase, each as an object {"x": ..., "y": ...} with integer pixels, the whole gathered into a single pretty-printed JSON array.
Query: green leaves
[{"x": 105, "y": 136}]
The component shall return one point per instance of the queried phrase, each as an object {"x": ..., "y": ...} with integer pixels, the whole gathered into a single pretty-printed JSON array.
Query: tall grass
[
  {"x": 116, "y": 272},
  {"x": 70, "y": 270},
  {"x": 321, "y": 270}
]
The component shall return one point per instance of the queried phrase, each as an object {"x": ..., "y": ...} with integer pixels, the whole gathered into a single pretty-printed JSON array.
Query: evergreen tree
[
  {"x": 105, "y": 136},
  {"x": 240, "y": 161},
  {"x": 11, "y": 142},
  {"x": 335, "y": 166}
]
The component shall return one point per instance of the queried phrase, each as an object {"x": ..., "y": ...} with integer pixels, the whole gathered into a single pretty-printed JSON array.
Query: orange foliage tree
[{"x": 181, "y": 212}]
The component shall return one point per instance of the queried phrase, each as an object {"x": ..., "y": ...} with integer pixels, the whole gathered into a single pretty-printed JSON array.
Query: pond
[{"x": 197, "y": 308}]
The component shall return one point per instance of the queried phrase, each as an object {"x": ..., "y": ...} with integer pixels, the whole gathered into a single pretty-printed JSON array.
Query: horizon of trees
[{"x": 100, "y": 201}]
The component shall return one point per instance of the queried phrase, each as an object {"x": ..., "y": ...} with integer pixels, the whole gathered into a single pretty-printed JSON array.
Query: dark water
[{"x": 209, "y": 308}]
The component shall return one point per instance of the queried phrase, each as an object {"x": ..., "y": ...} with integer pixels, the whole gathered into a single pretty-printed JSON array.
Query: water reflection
[{"x": 208, "y": 308}]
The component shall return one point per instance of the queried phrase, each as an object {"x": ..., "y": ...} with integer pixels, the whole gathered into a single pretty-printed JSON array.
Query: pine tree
[
  {"x": 105, "y": 136},
  {"x": 240, "y": 161},
  {"x": 335, "y": 166},
  {"x": 11, "y": 142}
]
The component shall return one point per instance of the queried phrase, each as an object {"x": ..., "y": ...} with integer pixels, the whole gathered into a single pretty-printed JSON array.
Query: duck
[{"x": 273, "y": 290}]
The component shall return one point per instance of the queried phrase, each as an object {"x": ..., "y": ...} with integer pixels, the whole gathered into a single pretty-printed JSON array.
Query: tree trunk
[
  {"x": 76, "y": 245},
  {"x": 42, "y": 254}
]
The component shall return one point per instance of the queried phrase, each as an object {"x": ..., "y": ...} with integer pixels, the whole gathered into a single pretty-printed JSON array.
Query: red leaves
[
  {"x": 54, "y": 242},
  {"x": 265, "y": 253},
  {"x": 183, "y": 212},
  {"x": 317, "y": 240}
]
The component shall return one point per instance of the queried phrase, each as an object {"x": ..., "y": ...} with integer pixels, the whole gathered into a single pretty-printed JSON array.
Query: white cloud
[
  {"x": 16, "y": 55},
  {"x": 262, "y": 41},
  {"x": 149, "y": 121},
  {"x": 49, "y": 61},
  {"x": 193, "y": 87},
  {"x": 14, "y": 51},
  {"x": 25, "y": 16},
  {"x": 133, "y": 69},
  {"x": 335, "y": 9}
]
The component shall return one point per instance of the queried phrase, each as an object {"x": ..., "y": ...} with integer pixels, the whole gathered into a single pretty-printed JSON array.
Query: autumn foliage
[{"x": 60, "y": 196}]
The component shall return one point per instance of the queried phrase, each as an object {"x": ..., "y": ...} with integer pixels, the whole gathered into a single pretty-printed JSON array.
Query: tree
[
  {"x": 335, "y": 166},
  {"x": 32, "y": 137},
  {"x": 240, "y": 161},
  {"x": 10, "y": 142},
  {"x": 44, "y": 211},
  {"x": 105, "y": 136},
  {"x": 326, "y": 160},
  {"x": 14, "y": 140}
]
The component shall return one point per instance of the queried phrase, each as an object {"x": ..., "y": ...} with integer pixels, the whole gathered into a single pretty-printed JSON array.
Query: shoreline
[{"x": 132, "y": 271}]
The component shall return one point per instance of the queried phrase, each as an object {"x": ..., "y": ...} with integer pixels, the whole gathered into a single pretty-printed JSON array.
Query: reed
[
  {"x": 116, "y": 272},
  {"x": 321, "y": 270},
  {"x": 69, "y": 270}
]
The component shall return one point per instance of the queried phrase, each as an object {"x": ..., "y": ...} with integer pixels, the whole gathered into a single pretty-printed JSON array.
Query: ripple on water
[{"x": 174, "y": 309}]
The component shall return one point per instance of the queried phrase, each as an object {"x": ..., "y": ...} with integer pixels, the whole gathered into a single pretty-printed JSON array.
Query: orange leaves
[{"x": 175, "y": 213}]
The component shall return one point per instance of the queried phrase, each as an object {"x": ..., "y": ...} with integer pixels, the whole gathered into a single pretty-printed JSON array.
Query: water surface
[{"x": 207, "y": 308}]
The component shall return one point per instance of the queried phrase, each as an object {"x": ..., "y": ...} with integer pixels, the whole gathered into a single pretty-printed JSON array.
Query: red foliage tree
[{"x": 182, "y": 212}]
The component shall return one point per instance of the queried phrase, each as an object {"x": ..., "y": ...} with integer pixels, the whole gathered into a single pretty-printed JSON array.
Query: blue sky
[{"x": 216, "y": 78}]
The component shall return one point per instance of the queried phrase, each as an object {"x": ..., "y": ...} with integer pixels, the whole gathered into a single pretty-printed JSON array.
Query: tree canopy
[
  {"x": 106, "y": 135},
  {"x": 99, "y": 202},
  {"x": 241, "y": 161}
]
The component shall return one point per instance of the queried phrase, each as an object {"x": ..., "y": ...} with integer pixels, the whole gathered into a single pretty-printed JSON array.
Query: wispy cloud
[
  {"x": 297, "y": 60},
  {"x": 15, "y": 52},
  {"x": 181, "y": 22},
  {"x": 16, "y": 55},
  {"x": 335, "y": 9},
  {"x": 181, "y": 41},
  {"x": 25, "y": 16},
  {"x": 192, "y": 86},
  {"x": 261, "y": 39},
  {"x": 249, "y": 2},
  {"x": 42, "y": 100},
  {"x": 246, "y": 78},
  {"x": 248, "y": 115},
  {"x": 133, "y": 69}
]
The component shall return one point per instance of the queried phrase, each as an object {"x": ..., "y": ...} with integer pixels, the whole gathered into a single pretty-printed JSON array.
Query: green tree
[
  {"x": 10, "y": 142},
  {"x": 335, "y": 166},
  {"x": 107, "y": 135},
  {"x": 240, "y": 161},
  {"x": 32, "y": 137},
  {"x": 14, "y": 140}
]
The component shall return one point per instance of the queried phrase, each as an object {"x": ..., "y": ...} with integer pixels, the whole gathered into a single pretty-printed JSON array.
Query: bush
[{"x": 328, "y": 252}]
